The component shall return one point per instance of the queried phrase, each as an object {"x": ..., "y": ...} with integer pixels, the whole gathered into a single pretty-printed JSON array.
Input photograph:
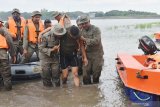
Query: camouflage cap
[
  {"x": 15, "y": 10},
  {"x": 57, "y": 29},
  {"x": 36, "y": 13},
  {"x": 83, "y": 19},
  {"x": 55, "y": 14}
]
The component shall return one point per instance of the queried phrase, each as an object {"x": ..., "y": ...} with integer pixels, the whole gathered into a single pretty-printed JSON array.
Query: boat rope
[{"x": 141, "y": 98}]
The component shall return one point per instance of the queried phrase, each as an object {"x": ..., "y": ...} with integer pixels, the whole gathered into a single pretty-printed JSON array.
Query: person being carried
[{"x": 69, "y": 46}]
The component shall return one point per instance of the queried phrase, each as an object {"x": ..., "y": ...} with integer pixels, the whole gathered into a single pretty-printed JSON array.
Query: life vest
[
  {"x": 13, "y": 28},
  {"x": 157, "y": 36},
  {"x": 65, "y": 21},
  {"x": 32, "y": 35},
  {"x": 3, "y": 42}
]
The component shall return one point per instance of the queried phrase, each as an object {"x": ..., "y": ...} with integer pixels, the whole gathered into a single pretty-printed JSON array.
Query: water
[{"x": 118, "y": 35}]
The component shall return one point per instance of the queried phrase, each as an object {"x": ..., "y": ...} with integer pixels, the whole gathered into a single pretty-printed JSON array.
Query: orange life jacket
[
  {"x": 65, "y": 21},
  {"x": 157, "y": 36},
  {"x": 32, "y": 35},
  {"x": 3, "y": 42},
  {"x": 13, "y": 28}
]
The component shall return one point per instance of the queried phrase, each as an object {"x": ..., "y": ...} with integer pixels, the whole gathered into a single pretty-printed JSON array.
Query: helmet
[
  {"x": 58, "y": 30},
  {"x": 36, "y": 13},
  {"x": 84, "y": 19}
]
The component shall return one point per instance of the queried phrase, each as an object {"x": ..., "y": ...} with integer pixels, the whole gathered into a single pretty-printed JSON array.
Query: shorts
[{"x": 69, "y": 60}]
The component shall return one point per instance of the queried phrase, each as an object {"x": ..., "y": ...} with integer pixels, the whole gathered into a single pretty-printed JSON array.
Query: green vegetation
[
  {"x": 98, "y": 14},
  {"x": 147, "y": 25},
  {"x": 137, "y": 26}
]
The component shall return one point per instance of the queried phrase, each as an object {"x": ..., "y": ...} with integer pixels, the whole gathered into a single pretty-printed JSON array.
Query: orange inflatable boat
[
  {"x": 135, "y": 74},
  {"x": 140, "y": 74}
]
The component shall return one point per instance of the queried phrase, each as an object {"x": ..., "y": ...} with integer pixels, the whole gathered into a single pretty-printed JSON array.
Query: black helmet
[{"x": 74, "y": 31}]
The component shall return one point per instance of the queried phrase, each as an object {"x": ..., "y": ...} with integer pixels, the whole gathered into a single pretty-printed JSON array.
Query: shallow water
[{"x": 108, "y": 93}]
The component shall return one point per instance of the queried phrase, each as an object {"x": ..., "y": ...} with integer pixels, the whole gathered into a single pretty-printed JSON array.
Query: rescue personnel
[
  {"x": 69, "y": 46},
  {"x": 47, "y": 23},
  {"x": 49, "y": 56},
  {"x": 30, "y": 40},
  {"x": 94, "y": 49},
  {"x": 16, "y": 24},
  {"x": 6, "y": 44},
  {"x": 63, "y": 20}
]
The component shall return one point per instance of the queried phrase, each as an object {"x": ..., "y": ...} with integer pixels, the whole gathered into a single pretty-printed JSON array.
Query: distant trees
[
  {"x": 129, "y": 13},
  {"x": 73, "y": 15}
]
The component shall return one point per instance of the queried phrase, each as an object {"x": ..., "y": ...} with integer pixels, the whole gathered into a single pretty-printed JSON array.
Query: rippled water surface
[{"x": 118, "y": 35}]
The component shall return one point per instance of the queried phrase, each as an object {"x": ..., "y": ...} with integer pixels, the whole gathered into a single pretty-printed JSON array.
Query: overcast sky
[{"x": 81, "y": 5}]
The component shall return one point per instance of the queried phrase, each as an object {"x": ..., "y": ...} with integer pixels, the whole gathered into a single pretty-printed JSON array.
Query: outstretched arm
[
  {"x": 43, "y": 32},
  {"x": 84, "y": 56}
]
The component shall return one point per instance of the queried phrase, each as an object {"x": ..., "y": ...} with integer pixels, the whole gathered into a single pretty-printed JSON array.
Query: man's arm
[
  {"x": 96, "y": 38},
  {"x": 25, "y": 38},
  {"x": 9, "y": 42},
  {"x": 6, "y": 25},
  {"x": 46, "y": 50},
  {"x": 84, "y": 56},
  {"x": 43, "y": 32}
]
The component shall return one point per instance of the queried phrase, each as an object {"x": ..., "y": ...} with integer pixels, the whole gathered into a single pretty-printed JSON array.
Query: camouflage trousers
[
  {"x": 93, "y": 68},
  {"x": 50, "y": 73},
  {"x": 30, "y": 50},
  {"x": 5, "y": 72},
  {"x": 19, "y": 50}
]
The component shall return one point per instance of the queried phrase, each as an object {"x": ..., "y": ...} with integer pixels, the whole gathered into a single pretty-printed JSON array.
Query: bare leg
[
  {"x": 64, "y": 75},
  {"x": 75, "y": 75}
]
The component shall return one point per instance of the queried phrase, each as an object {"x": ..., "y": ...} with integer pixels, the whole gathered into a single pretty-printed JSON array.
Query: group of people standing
[{"x": 57, "y": 47}]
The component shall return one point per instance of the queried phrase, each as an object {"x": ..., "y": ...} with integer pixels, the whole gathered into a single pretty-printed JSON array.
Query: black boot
[
  {"x": 64, "y": 80},
  {"x": 47, "y": 83},
  {"x": 95, "y": 80},
  {"x": 8, "y": 87},
  {"x": 58, "y": 83},
  {"x": 86, "y": 81}
]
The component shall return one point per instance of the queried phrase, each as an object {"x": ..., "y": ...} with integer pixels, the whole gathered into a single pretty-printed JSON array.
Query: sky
[{"x": 81, "y": 5}]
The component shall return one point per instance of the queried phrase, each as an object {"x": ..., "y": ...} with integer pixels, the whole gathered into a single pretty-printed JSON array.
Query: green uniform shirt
[{"x": 93, "y": 40}]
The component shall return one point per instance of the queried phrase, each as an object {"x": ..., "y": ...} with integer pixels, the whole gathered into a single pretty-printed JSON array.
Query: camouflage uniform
[
  {"x": 18, "y": 42},
  {"x": 5, "y": 69},
  {"x": 49, "y": 59},
  {"x": 94, "y": 52},
  {"x": 31, "y": 47},
  {"x": 66, "y": 23}
]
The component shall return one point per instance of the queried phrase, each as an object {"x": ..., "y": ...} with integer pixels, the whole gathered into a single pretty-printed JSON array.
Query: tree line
[{"x": 97, "y": 14}]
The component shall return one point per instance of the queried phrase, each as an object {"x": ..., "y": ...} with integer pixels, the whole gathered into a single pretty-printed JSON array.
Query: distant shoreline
[{"x": 128, "y": 17}]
